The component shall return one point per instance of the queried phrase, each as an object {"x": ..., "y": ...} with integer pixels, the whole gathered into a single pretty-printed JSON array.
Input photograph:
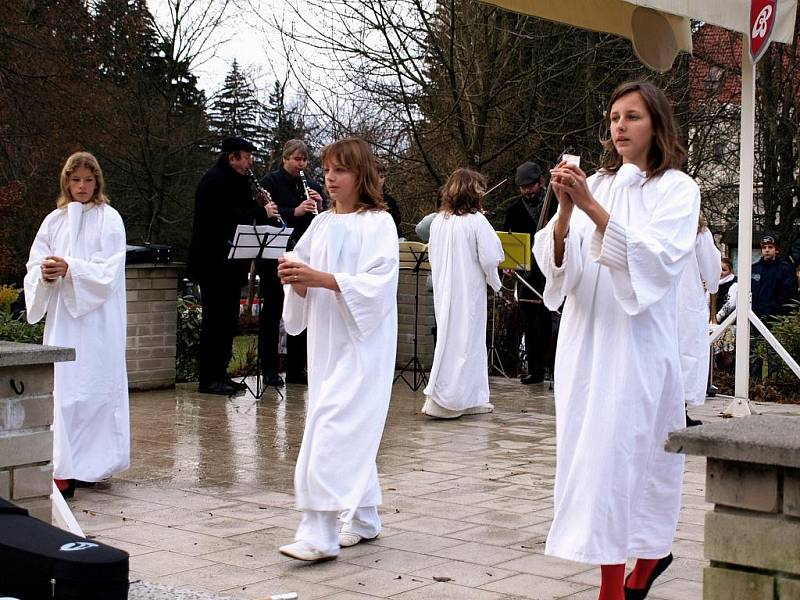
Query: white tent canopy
[{"x": 659, "y": 29}]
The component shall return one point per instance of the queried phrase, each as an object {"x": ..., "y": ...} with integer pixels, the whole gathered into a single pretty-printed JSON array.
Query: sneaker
[
  {"x": 431, "y": 409},
  {"x": 532, "y": 378},
  {"x": 481, "y": 409},
  {"x": 305, "y": 551},
  {"x": 348, "y": 539}
]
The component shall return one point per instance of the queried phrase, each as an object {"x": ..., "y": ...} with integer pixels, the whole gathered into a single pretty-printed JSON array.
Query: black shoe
[
  {"x": 239, "y": 385},
  {"x": 272, "y": 379},
  {"x": 690, "y": 422},
  {"x": 712, "y": 390},
  {"x": 532, "y": 378},
  {"x": 641, "y": 593},
  {"x": 84, "y": 484},
  {"x": 221, "y": 388},
  {"x": 302, "y": 379}
]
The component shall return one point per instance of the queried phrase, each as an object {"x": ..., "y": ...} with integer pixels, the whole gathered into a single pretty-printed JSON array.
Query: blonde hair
[
  {"x": 354, "y": 154},
  {"x": 462, "y": 192},
  {"x": 76, "y": 161}
]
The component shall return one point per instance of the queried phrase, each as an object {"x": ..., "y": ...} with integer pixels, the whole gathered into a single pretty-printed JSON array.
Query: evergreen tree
[
  {"x": 237, "y": 110},
  {"x": 282, "y": 123}
]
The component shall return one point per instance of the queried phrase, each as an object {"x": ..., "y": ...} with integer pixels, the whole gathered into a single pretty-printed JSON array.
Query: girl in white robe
[
  {"x": 700, "y": 278},
  {"x": 464, "y": 253},
  {"x": 76, "y": 276},
  {"x": 615, "y": 251},
  {"x": 341, "y": 285}
]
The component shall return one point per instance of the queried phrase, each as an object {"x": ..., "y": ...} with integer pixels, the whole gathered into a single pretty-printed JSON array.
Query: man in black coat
[
  {"x": 223, "y": 200},
  {"x": 297, "y": 210},
  {"x": 773, "y": 286},
  {"x": 523, "y": 217}
]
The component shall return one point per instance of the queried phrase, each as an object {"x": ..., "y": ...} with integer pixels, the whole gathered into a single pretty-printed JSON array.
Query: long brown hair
[
  {"x": 462, "y": 192},
  {"x": 76, "y": 161},
  {"x": 354, "y": 154},
  {"x": 666, "y": 151}
]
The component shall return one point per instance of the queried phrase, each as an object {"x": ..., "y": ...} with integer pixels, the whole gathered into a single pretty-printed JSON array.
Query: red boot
[
  {"x": 612, "y": 582},
  {"x": 66, "y": 487}
]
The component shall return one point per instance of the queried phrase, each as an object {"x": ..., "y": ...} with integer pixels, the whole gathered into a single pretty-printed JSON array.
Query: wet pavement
[{"x": 467, "y": 503}]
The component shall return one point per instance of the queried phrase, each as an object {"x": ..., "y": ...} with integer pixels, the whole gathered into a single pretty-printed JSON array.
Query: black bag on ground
[
  {"x": 148, "y": 253},
  {"x": 41, "y": 562}
]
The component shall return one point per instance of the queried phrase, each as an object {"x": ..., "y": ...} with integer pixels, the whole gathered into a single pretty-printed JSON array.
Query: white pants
[{"x": 320, "y": 527}]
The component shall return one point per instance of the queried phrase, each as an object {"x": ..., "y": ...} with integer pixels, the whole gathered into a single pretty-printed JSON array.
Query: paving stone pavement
[{"x": 467, "y": 503}]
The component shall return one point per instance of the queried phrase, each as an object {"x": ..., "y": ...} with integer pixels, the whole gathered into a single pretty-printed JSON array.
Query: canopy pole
[{"x": 740, "y": 406}]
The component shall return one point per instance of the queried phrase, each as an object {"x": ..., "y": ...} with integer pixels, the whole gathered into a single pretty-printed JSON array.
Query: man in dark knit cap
[
  {"x": 523, "y": 217},
  {"x": 223, "y": 200}
]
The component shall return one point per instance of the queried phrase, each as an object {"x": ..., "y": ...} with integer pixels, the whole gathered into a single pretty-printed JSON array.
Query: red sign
[{"x": 762, "y": 20}]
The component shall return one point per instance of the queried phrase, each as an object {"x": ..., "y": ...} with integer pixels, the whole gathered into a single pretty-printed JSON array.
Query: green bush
[
  {"x": 8, "y": 295},
  {"x": 19, "y": 330},
  {"x": 188, "y": 340},
  {"x": 787, "y": 330}
]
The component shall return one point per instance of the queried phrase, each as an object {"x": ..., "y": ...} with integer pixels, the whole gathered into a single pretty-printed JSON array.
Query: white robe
[
  {"x": 700, "y": 276},
  {"x": 85, "y": 310},
  {"x": 618, "y": 386},
  {"x": 464, "y": 253},
  {"x": 352, "y": 341}
]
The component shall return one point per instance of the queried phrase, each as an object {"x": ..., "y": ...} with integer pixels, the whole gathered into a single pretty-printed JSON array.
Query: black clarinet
[{"x": 260, "y": 195}]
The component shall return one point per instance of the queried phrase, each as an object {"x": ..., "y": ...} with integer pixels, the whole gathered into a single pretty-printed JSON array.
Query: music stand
[
  {"x": 254, "y": 242},
  {"x": 414, "y": 258}
]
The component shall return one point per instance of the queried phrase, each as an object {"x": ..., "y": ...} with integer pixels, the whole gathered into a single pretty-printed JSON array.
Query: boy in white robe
[
  {"x": 464, "y": 253},
  {"x": 341, "y": 285},
  {"x": 615, "y": 251},
  {"x": 76, "y": 275}
]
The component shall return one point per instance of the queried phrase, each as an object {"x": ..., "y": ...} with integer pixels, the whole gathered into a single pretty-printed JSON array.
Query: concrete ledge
[
  {"x": 755, "y": 540},
  {"x": 763, "y": 439},
  {"x": 14, "y": 353},
  {"x": 727, "y": 584}
]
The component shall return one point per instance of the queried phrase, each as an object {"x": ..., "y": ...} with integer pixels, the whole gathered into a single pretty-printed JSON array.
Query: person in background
[
  {"x": 523, "y": 217},
  {"x": 223, "y": 200},
  {"x": 464, "y": 252},
  {"x": 700, "y": 279},
  {"x": 297, "y": 209},
  {"x": 391, "y": 203},
  {"x": 76, "y": 276}
]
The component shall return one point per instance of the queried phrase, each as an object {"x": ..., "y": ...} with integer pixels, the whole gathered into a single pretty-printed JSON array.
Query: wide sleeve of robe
[
  {"x": 368, "y": 296},
  {"x": 37, "y": 290},
  {"x": 91, "y": 281},
  {"x": 490, "y": 252},
  {"x": 645, "y": 262},
  {"x": 709, "y": 260},
  {"x": 295, "y": 306}
]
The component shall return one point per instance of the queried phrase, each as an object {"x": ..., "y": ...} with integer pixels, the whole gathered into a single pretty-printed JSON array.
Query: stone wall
[
  {"x": 152, "y": 325},
  {"x": 405, "y": 316},
  {"x": 752, "y": 537},
  {"x": 26, "y": 413}
]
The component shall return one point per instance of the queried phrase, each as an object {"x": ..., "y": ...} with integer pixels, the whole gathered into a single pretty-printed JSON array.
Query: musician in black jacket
[
  {"x": 523, "y": 217},
  {"x": 297, "y": 210},
  {"x": 223, "y": 200}
]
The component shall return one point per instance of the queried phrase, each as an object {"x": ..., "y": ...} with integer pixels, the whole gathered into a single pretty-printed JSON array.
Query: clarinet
[
  {"x": 260, "y": 195},
  {"x": 307, "y": 191}
]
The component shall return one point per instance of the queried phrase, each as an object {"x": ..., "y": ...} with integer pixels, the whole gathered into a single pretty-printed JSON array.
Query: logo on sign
[
  {"x": 762, "y": 19},
  {"x": 76, "y": 546}
]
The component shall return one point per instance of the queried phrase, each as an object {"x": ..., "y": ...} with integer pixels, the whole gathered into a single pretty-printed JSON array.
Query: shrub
[
  {"x": 8, "y": 295},
  {"x": 188, "y": 340},
  {"x": 19, "y": 330}
]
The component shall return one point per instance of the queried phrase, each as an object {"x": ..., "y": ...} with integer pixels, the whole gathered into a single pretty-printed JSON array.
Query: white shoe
[
  {"x": 481, "y": 409},
  {"x": 348, "y": 538},
  {"x": 432, "y": 409},
  {"x": 305, "y": 551}
]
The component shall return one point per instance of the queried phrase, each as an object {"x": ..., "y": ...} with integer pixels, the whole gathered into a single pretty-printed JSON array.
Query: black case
[
  {"x": 148, "y": 253},
  {"x": 41, "y": 562}
]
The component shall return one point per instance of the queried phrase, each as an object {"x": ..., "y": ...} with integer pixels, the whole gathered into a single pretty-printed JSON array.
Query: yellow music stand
[{"x": 517, "y": 248}]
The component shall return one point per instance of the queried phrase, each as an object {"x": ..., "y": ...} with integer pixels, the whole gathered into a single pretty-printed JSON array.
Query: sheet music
[{"x": 259, "y": 241}]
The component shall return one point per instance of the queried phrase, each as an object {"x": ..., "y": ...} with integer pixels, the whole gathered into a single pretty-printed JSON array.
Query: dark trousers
[
  {"x": 269, "y": 320},
  {"x": 538, "y": 329},
  {"x": 220, "y": 305}
]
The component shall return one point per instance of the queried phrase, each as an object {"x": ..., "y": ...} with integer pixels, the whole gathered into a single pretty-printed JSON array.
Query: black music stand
[
  {"x": 255, "y": 242},
  {"x": 414, "y": 258}
]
